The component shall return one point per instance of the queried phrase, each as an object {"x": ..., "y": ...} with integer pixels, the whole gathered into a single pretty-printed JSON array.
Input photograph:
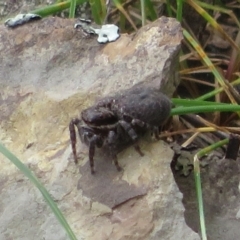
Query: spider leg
[
  {"x": 86, "y": 136},
  {"x": 73, "y": 139},
  {"x": 91, "y": 154},
  {"x": 138, "y": 149},
  {"x": 139, "y": 123},
  {"x": 115, "y": 160},
  {"x": 128, "y": 128},
  {"x": 131, "y": 132},
  {"x": 112, "y": 138},
  {"x": 155, "y": 131},
  {"x": 94, "y": 141}
]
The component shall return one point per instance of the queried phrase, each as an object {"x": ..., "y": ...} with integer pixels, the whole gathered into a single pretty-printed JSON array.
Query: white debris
[
  {"x": 21, "y": 19},
  {"x": 107, "y": 32}
]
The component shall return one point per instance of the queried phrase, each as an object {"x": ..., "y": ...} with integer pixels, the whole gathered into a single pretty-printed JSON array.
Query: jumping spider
[{"x": 119, "y": 121}]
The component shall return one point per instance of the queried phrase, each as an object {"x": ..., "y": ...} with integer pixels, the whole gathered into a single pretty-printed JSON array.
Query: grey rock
[{"x": 49, "y": 73}]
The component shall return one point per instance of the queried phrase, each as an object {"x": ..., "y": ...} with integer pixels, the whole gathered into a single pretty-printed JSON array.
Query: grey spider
[{"x": 119, "y": 121}]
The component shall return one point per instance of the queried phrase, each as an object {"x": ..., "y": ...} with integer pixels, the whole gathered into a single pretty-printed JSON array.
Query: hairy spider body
[{"x": 120, "y": 120}]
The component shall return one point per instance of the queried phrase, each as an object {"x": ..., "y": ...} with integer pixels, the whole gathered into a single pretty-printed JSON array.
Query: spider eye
[{"x": 98, "y": 117}]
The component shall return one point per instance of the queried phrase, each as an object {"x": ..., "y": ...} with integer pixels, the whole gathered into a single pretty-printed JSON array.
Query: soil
[{"x": 220, "y": 181}]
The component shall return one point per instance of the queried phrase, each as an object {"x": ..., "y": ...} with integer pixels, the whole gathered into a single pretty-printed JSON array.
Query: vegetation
[{"x": 208, "y": 76}]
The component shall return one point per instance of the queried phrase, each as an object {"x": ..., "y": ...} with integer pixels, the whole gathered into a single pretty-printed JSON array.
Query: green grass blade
[
  {"x": 72, "y": 9},
  {"x": 122, "y": 22},
  {"x": 208, "y": 63},
  {"x": 193, "y": 103},
  {"x": 26, "y": 171},
  {"x": 151, "y": 10},
  {"x": 119, "y": 6},
  {"x": 169, "y": 9},
  {"x": 55, "y": 8},
  {"x": 217, "y": 91},
  {"x": 208, "y": 108},
  {"x": 99, "y": 10},
  {"x": 179, "y": 10},
  {"x": 214, "y": 7},
  {"x": 197, "y": 178},
  {"x": 143, "y": 12},
  {"x": 198, "y": 186},
  {"x": 211, "y": 21},
  {"x": 204, "y": 57},
  {"x": 212, "y": 147}
]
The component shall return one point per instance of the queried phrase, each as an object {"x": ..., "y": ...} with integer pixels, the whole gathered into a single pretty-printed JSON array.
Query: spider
[{"x": 119, "y": 120}]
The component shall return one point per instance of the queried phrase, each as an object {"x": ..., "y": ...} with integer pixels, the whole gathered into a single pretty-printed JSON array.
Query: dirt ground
[{"x": 220, "y": 181}]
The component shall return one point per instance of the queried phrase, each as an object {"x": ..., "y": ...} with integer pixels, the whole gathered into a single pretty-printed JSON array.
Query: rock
[{"x": 49, "y": 73}]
